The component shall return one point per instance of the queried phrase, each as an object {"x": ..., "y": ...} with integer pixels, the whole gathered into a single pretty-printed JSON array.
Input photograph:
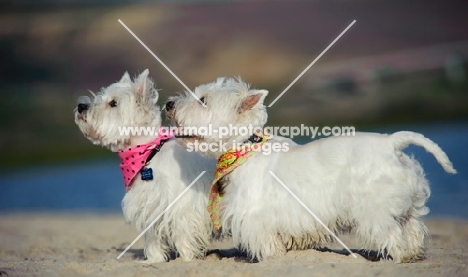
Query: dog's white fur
[
  {"x": 186, "y": 226},
  {"x": 363, "y": 182}
]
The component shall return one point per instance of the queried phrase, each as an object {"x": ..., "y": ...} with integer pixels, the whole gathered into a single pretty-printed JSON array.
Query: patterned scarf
[
  {"x": 133, "y": 159},
  {"x": 227, "y": 162}
]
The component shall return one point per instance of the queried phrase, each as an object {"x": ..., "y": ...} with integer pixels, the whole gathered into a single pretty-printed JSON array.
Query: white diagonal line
[
  {"x": 159, "y": 216},
  {"x": 161, "y": 62},
  {"x": 307, "y": 68},
  {"x": 316, "y": 218}
]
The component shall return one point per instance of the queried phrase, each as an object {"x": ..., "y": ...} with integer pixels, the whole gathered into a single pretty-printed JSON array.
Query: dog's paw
[
  {"x": 160, "y": 258},
  {"x": 143, "y": 262},
  {"x": 151, "y": 261}
]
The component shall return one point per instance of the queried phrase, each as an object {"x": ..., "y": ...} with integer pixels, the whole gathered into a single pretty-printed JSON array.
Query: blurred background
[{"x": 403, "y": 65}]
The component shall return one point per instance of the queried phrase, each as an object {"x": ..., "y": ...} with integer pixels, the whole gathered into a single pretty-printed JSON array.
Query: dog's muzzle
[
  {"x": 82, "y": 107},
  {"x": 83, "y": 104}
]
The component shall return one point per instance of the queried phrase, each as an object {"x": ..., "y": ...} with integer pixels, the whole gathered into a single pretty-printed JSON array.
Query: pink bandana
[{"x": 134, "y": 158}]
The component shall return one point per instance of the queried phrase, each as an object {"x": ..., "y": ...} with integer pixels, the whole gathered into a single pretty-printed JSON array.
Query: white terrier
[
  {"x": 162, "y": 171},
  {"x": 363, "y": 182}
]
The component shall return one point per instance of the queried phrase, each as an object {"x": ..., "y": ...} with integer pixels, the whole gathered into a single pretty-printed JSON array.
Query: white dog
[
  {"x": 156, "y": 180},
  {"x": 363, "y": 182}
]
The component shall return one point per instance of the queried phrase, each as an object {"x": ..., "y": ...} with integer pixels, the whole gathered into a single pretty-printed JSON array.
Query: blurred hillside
[{"x": 403, "y": 61}]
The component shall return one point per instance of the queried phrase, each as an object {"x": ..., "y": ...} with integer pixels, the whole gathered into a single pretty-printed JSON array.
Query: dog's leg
[
  {"x": 258, "y": 242},
  {"x": 401, "y": 238},
  {"x": 188, "y": 251},
  {"x": 191, "y": 244},
  {"x": 156, "y": 250},
  {"x": 405, "y": 242},
  {"x": 414, "y": 230},
  {"x": 415, "y": 233},
  {"x": 383, "y": 232}
]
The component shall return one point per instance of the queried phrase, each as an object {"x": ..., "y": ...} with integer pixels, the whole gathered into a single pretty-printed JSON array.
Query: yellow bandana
[{"x": 227, "y": 162}]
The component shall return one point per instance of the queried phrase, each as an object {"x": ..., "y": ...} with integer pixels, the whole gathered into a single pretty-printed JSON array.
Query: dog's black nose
[
  {"x": 82, "y": 107},
  {"x": 169, "y": 105}
]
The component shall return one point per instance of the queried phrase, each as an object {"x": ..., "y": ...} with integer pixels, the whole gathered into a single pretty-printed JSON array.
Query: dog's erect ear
[
  {"x": 125, "y": 78},
  {"x": 144, "y": 87},
  {"x": 142, "y": 84},
  {"x": 254, "y": 99}
]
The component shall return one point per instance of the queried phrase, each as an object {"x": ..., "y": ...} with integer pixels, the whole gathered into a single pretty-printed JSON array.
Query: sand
[{"x": 51, "y": 244}]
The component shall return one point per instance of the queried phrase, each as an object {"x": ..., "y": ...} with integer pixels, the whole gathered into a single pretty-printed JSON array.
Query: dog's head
[
  {"x": 227, "y": 103},
  {"x": 105, "y": 119}
]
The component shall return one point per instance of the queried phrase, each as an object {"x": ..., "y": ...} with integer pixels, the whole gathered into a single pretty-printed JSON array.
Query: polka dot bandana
[{"x": 133, "y": 159}]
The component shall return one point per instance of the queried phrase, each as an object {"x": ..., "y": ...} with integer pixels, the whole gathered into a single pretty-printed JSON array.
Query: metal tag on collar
[
  {"x": 255, "y": 139},
  {"x": 146, "y": 174}
]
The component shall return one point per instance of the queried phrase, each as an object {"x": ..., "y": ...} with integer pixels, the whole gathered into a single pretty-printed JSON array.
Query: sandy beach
[{"x": 51, "y": 244}]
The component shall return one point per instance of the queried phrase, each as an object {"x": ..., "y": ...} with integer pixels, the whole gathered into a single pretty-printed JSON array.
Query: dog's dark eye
[
  {"x": 203, "y": 100},
  {"x": 113, "y": 103}
]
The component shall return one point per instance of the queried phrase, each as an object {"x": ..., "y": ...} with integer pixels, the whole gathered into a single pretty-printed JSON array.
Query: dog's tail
[{"x": 402, "y": 139}]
